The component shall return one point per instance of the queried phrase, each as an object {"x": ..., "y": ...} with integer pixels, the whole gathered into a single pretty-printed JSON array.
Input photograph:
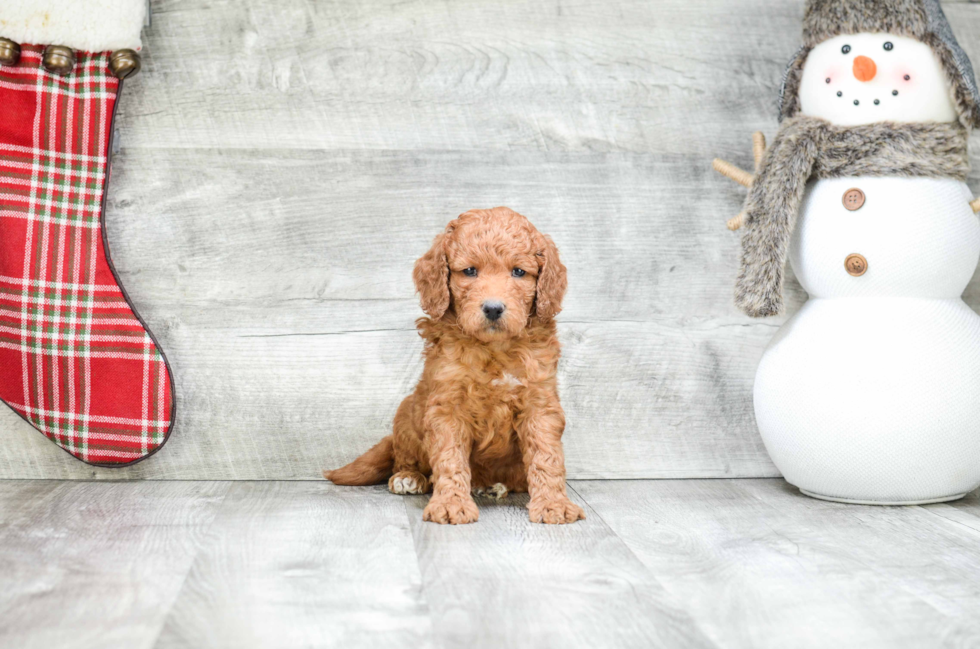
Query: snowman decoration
[{"x": 871, "y": 392}]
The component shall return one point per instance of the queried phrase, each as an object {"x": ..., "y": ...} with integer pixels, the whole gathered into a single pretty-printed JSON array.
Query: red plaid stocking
[{"x": 75, "y": 359}]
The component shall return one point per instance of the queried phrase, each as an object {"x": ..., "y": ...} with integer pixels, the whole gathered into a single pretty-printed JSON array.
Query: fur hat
[{"x": 922, "y": 20}]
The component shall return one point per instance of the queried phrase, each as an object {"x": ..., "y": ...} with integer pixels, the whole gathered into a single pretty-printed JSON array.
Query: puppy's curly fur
[{"x": 486, "y": 414}]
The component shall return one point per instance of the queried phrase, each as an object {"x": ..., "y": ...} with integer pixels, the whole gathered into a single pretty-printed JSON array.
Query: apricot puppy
[{"x": 485, "y": 415}]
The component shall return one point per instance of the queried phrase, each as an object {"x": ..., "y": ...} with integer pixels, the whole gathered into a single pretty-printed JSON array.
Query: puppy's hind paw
[
  {"x": 554, "y": 511},
  {"x": 498, "y": 491},
  {"x": 451, "y": 510},
  {"x": 408, "y": 482}
]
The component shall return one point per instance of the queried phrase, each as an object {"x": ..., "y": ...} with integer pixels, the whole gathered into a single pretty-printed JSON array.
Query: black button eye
[
  {"x": 469, "y": 272},
  {"x": 889, "y": 46},
  {"x": 846, "y": 49},
  {"x": 517, "y": 272}
]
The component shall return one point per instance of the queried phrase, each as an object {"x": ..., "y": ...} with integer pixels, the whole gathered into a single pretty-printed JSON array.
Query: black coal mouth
[
  {"x": 857, "y": 102},
  {"x": 876, "y": 101}
]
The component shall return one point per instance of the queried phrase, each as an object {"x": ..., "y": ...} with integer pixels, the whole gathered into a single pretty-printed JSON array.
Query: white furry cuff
[{"x": 86, "y": 25}]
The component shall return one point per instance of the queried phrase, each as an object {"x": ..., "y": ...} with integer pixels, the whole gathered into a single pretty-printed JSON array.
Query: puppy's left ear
[{"x": 552, "y": 280}]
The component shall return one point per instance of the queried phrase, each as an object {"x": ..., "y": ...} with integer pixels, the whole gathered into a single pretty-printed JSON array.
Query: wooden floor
[{"x": 686, "y": 563}]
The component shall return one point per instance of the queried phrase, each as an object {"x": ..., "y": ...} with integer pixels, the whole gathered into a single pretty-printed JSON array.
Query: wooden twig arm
[
  {"x": 729, "y": 170},
  {"x": 736, "y": 222},
  {"x": 976, "y": 205},
  {"x": 741, "y": 176}
]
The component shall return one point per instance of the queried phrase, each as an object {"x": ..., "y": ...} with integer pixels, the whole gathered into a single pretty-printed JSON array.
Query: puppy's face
[
  {"x": 493, "y": 277},
  {"x": 495, "y": 271}
]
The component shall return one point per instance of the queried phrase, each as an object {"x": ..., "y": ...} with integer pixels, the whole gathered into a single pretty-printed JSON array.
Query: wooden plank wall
[{"x": 284, "y": 162}]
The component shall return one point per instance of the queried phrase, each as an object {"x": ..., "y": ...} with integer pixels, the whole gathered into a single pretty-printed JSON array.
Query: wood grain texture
[
  {"x": 666, "y": 563},
  {"x": 303, "y": 564},
  {"x": 506, "y": 582},
  {"x": 87, "y": 565},
  {"x": 284, "y": 163},
  {"x": 784, "y": 570}
]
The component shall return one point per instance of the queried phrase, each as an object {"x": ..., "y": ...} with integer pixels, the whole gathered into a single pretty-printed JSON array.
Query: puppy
[{"x": 485, "y": 415}]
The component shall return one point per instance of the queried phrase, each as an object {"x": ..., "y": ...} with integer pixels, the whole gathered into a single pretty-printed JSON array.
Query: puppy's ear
[
  {"x": 552, "y": 280},
  {"x": 431, "y": 276}
]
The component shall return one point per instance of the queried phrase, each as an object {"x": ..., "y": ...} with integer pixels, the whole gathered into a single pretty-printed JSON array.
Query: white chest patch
[{"x": 507, "y": 381}]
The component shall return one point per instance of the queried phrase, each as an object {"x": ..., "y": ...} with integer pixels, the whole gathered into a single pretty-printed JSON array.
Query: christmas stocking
[{"x": 76, "y": 361}]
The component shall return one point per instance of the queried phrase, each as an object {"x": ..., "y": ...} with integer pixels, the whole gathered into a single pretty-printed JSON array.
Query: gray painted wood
[
  {"x": 673, "y": 563},
  {"x": 506, "y": 582},
  {"x": 283, "y": 164},
  {"x": 759, "y": 565},
  {"x": 303, "y": 565},
  {"x": 86, "y": 565}
]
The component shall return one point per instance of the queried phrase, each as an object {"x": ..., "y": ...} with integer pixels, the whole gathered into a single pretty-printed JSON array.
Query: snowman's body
[{"x": 871, "y": 393}]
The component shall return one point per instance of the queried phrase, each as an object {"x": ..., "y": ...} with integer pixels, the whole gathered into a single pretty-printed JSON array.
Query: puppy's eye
[
  {"x": 517, "y": 272},
  {"x": 889, "y": 46},
  {"x": 469, "y": 272},
  {"x": 846, "y": 49}
]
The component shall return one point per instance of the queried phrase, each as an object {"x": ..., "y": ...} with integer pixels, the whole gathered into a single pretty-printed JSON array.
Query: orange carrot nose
[{"x": 864, "y": 69}]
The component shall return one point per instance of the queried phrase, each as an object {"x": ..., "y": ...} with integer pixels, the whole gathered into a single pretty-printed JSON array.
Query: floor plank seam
[
  {"x": 961, "y": 524},
  {"x": 853, "y": 512},
  {"x": 651, "y": 575},
  {"x": 616, "y": 534},
  {"x": 190, "y": 566},
  {"x": 423, "y": 588}
]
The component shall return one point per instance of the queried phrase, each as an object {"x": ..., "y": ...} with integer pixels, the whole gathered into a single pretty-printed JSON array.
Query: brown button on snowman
[
  {"x": 854, "y": 199},
  {"x": 869, "y": 165}
]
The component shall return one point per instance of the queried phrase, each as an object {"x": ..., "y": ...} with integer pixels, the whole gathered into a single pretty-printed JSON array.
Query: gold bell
[
  {"x": 9, "y": 52},
  {"x": 58, "y": 59},
  {"x": 124, "y": 63}
]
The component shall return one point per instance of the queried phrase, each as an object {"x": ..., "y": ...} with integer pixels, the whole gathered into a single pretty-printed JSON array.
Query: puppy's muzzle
[{"x": 492, "y": 310}]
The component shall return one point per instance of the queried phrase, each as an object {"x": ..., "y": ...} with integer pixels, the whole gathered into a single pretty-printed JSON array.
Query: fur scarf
[{"x": 806, "y": 148}]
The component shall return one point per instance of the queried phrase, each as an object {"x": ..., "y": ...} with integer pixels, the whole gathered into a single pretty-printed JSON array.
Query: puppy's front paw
[
  {"x": 452, "y": 510},
  {"x": 408, "y": 482},
  {"x": 554, "y": 511}
]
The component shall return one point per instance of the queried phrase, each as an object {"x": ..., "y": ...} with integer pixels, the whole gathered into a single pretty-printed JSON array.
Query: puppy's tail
[{"x": 374, "y": 467}]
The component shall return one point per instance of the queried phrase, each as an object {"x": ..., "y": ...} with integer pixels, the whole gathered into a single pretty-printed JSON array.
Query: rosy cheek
[
  {"x": 903, "y": 77},
  {"x": 832, "y": 75}
]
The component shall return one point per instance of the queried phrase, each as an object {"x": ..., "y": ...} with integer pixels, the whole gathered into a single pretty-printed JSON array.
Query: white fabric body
[
  {"x": 924, "y": 97},
  {"x": 919, "y": 235},
  {"x": 86, "y": 25},
  {"x": 872, "y": 391}
]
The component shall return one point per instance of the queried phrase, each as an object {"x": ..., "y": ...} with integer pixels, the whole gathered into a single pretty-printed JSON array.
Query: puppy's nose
[
  {"x": 864, "y": 68},
  {"x": 493, "y": 310}
]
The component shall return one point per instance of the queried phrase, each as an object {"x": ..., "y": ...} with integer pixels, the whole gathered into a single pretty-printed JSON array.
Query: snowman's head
[
  {"x": 868, "y": 61},
  {"x": 855, "y": 79}
]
